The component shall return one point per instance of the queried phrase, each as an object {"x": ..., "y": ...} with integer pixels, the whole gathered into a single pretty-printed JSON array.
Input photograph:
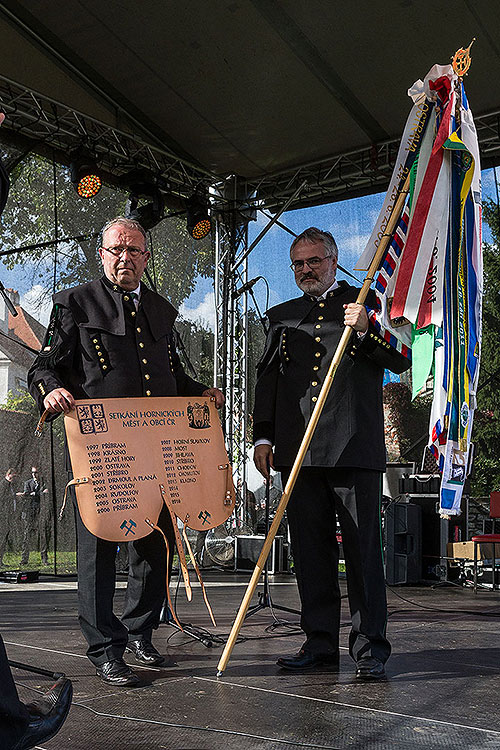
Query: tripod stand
[{"x": 265, "y": 599}]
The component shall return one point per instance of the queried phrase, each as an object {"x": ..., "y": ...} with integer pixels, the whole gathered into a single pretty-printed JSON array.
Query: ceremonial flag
[{"x": 429, "y": 284}]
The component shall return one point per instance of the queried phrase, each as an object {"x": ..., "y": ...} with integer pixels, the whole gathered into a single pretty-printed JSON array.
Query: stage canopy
[{"x": 276, "y": 92}]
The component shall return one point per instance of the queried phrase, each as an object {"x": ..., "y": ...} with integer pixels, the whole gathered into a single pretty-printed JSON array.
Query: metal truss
[
  {"x": 44, "y": 123},
  {"x": 358, "y": 172},
  {"x": 231, "y": 339},
  {"x": 47, "y": 126}
]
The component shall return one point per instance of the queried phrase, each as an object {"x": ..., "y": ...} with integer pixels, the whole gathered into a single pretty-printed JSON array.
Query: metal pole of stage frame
[{"x": 386, "y": 237}]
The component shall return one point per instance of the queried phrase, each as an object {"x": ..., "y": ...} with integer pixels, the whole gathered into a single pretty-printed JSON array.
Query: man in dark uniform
[
  {"x": 34, "y": 517},
  {"x": 113, "y": 337},
  {"x": 342, "y": 470}
]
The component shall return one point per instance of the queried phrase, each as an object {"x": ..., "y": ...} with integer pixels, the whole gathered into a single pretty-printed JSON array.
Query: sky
[{"x": 349, "y": 221}]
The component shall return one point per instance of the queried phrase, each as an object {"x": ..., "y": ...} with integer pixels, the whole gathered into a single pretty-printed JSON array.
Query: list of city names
[
  {"x": 117, "y": 483},
  {"x": 179, "y": 460}
]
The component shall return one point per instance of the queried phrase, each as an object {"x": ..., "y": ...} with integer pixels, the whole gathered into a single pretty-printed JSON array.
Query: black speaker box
[
  {"x": 403, "y": 533},
  {"x": 248, "y": 549}
]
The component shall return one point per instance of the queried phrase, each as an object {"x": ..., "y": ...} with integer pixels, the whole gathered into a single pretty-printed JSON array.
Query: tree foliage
[
  {"x": 486, "y": 431},
  {"x": 410, "y": 419},
  {"x": 39, "y": 192},
  {"x": 20, "y": 401},
  {"x": 34, "y": 200}
]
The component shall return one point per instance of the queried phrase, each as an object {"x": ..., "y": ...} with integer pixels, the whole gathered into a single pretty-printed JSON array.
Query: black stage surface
[{"x": 442, "y": 688}]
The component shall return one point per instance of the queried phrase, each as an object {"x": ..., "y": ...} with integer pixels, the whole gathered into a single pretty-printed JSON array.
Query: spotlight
[
  {"x": 85, "y": 176},
  {"x": 148, "y": 214},
  {"x": 198, "y": 221},
  {"x": 142, "y": 185}
]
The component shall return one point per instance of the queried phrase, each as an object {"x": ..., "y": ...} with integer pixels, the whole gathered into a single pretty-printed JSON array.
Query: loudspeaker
[
  {"x": 419, "y": 484},
  {"x": 403, "y": 533},
  {"x": 247, "y": 551},
  {"x": 19, "y": 576},
  {"x": 436, "y": 533}
]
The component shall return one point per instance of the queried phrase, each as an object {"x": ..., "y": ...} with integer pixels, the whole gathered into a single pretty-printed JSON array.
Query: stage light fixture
[
  {"x": 198, "y": 221},
  {"x": 148, "y": 214},
  {"x": 85, "y": 176}
]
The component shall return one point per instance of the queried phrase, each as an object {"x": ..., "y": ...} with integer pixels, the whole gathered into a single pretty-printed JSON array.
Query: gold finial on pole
[{"x": 461, "y": 60}]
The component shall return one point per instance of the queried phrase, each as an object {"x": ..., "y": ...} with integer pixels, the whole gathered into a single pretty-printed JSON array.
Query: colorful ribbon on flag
[{"x": 429, "y": 285}]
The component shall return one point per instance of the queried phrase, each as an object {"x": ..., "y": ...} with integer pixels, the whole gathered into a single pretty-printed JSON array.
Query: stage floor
[{"x": 442, "y": 688}]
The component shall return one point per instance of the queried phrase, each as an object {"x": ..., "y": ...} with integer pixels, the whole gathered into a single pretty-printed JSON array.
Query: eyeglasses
[
  {"x": 314, "y": 262},
  {"x": 134, "y": 252}
]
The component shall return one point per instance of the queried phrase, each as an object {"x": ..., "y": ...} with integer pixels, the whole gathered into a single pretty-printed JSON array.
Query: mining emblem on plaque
[
  {"x": 128, "y": 527},
  {"x": 198, "y": 416}
]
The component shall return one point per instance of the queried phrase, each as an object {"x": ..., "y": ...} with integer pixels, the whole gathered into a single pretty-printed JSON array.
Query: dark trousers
[
  {"x": 319, "y": 496},
  {"x": 7, "y": 533},
  {"x": 34, "y": 532},
  {"x": 14, "y": 715},
  {"x": 107, "y": 635}
]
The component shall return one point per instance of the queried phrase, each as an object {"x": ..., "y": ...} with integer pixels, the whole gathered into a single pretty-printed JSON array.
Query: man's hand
[
  {"x": 263, "y": 458},
  {"x": 356, "y": 317},
  {"x": 218, "y": 395},
  {"x": 59, "y": 400}
]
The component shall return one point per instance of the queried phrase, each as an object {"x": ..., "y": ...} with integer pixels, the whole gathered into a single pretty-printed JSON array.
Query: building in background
[{"x": 15, "y": 359}]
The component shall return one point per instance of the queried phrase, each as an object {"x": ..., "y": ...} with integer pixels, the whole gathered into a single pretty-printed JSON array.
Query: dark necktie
[{"x": 129, "y": 300}]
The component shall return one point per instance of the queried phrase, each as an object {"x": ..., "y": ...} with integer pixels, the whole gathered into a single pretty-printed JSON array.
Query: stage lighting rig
[
  {"x": 197, "y": 221},
  {"x": 84, "y": 174},
  {"x": 148, "y": 214}
]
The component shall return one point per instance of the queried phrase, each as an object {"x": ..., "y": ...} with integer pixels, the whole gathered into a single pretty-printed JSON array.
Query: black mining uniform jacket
[
  {"x": 98, "y": 346},
  {"x": 303, "y": 336}
]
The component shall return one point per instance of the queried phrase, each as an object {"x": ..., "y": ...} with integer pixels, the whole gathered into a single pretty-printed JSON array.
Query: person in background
[
  {"x": 34, "y": 517},
  {"x": 8, "y": 508}
]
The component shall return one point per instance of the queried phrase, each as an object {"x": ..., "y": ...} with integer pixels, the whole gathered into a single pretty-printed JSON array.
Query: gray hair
[
  {"x": 317, "y": 235},
  {"x": 125, "y": 222}
]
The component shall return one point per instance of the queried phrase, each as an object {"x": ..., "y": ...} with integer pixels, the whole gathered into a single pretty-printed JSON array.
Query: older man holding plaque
[{"x": 113, "y": 337}]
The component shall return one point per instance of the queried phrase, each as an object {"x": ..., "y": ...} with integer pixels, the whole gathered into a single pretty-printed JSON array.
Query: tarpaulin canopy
[{"x": 272, "y": 91}]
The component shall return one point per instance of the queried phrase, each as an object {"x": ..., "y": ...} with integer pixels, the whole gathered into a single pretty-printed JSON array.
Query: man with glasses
[
  {"x": 342, "y": 470},
  {"x": 114, "y": 338}
]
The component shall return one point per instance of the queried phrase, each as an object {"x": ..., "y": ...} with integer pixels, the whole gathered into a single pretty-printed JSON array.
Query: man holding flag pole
[{"x": 425, "y": 257}]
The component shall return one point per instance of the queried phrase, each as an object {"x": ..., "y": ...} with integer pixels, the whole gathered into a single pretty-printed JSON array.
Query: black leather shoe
[
  {"x": 47, "y": 715},
  {"x": 117, "y": 673},
  {"x": 145, "y": 652},
  {"x": 307, "y": 660},
  {"x": 370, "y": 668}
]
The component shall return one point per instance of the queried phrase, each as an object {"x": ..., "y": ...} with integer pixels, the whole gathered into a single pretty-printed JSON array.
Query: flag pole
[{"x": 342, "y": 345}]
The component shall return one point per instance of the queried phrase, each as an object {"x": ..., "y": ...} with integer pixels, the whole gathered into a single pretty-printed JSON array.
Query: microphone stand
[
  {"x": 203, "y": 636},
  {"x": 265, "y": 599},
  {"x": 36, "y": 670},
  {"x": 257, "y": 310}
]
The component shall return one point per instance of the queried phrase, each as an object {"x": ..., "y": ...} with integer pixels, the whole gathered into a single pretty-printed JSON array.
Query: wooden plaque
[{"x": 127, "y": 451}]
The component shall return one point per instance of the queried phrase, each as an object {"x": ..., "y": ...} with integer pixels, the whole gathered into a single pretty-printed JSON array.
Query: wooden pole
[{"x": 374, "y": 265}]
